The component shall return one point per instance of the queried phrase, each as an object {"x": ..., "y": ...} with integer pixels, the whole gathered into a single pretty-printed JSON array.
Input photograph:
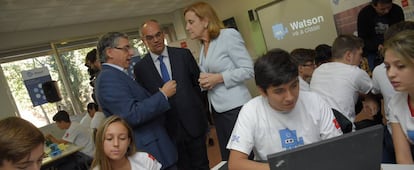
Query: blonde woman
[
  {"x": 399, "y": 63},
  {"x": 115, "y": 148},
  {"x": 225, "y": 64}
]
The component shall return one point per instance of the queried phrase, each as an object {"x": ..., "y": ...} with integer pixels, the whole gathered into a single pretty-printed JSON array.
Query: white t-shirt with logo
[
  {"x": 400, "y": 113},
  {"x": 266, "y": 131}
]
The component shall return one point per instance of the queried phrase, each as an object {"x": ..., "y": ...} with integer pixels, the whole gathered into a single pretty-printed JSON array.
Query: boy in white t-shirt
[
  {"x": 305, "y": 60},
  {"x": 341, "y": 81},
  {"x": 78, "y": 135},
  {"x": 97, "y": 116},
  {"x": 281, "y": 118},
  {"x": 75, "y": 133}
]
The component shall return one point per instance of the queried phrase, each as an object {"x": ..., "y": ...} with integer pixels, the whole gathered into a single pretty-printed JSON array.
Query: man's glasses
[
  {"x": 151, "y": 37},
  {"x": 309, "y": 65},
  {"x": 127, "y": 48}
]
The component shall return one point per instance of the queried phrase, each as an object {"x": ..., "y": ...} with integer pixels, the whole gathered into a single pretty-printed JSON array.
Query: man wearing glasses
[
  {"x": 305, "y": 60},
  {"x": 186, "y": 121},
  {"x": 117, "y": 93}
]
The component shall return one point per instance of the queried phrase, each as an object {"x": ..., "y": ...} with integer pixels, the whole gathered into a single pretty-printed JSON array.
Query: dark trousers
[
  {"x": 374, "y": 59},
  {"x": 224, "y": 123},
  {"x": 192, "y": 151}
]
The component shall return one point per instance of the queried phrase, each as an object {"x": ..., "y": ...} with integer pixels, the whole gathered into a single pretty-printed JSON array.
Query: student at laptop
[
  {"x": 281, "y": 118},
  {"x": 381, "y": 84},
  {"x": 75, "y": 133},
  {"x": 341, "y": 81},
  {"x": 399, "y": 62},
  {"x": 305, "y": 59}
]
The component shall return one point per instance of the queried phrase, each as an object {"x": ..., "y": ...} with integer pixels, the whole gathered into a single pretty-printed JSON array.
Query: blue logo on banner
[
  {"x": 34, "y": 87},
  {"x": 279, "y": 31}
]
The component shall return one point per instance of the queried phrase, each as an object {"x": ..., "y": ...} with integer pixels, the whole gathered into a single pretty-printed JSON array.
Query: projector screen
[{"x": 290, "y": 24}]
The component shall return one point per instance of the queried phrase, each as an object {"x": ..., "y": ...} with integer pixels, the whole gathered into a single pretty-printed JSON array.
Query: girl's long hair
[{"x": 100, "y": 159}]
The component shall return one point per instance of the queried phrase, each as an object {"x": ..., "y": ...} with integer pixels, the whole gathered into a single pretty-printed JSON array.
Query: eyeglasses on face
[
  {"x": 126, "y": 48},
  {"x": 309, "y": 65},
  {"x": 151, "y": 37}
]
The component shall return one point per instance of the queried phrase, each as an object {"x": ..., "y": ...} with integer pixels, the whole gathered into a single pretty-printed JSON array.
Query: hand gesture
[
  {"x": 169, "y": 88},
  {"x": 209, "y": 80}
]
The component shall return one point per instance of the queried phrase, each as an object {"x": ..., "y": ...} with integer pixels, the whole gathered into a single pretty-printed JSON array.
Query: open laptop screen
[{"x": 360, "y": 150}]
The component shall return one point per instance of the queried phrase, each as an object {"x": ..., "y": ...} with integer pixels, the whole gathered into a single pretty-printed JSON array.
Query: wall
[
  {"x": 7, "y": 105},
  {"x": 287, "y": 29},
  {"x": 249, "y": 30}
]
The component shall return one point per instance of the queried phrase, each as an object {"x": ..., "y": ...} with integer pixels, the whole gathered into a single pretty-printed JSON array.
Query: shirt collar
[
  {"x": 155, "y": 56},
  {"x": 115, "y": 66}
]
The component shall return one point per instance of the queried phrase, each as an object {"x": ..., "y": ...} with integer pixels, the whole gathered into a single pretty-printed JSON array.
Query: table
[
  {"x": 219, "y": 166},
  {"x": 396, "y": 167},
  {"x": 70, "y": 149}
]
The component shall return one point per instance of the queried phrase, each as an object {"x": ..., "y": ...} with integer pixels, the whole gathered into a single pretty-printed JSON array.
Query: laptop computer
[{"x": 359, "y": 150}]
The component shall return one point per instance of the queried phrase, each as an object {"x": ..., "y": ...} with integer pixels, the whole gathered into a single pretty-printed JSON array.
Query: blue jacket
[{"x": 120, "y": 95}]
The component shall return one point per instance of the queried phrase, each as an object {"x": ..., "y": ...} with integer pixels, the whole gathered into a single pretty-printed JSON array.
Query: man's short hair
[
  {"x": 108, "y": 40},
  {"x": 302, "y": 55},
  {"x": 323, "y": 54},
  {"x": 375, "y": 2},
  {"x": 61, "y": 116},
  {"x": 344, "y": 43},
  {"x": 91, "y": 106},
  {"x": 274, "y": 69}
]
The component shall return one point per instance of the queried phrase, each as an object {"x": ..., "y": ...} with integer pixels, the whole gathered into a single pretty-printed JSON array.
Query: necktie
[{"x": 163, "y": 68}]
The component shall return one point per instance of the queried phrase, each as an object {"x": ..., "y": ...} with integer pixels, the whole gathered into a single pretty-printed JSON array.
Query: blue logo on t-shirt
[
  {"x": 289, "y": 139},
  {"x": 410, "y": 134}
]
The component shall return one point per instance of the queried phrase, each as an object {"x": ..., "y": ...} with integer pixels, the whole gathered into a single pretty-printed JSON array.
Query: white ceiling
[{"x": 20, "y": 15}]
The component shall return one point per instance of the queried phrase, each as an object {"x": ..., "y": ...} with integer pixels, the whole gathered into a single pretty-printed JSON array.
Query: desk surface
[
  {"x": 70, "y": 149},
  {"x": 383, "y": 166},
  {"x": 396, "y": 167}
]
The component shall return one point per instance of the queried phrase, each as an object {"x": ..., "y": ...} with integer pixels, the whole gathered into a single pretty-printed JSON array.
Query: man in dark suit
[
  {"x": 186, "y": 120},
  {"x": 118, "y": 94}
]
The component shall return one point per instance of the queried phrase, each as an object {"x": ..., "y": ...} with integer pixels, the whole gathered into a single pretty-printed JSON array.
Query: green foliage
[{"x": 73, "y": 62}]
